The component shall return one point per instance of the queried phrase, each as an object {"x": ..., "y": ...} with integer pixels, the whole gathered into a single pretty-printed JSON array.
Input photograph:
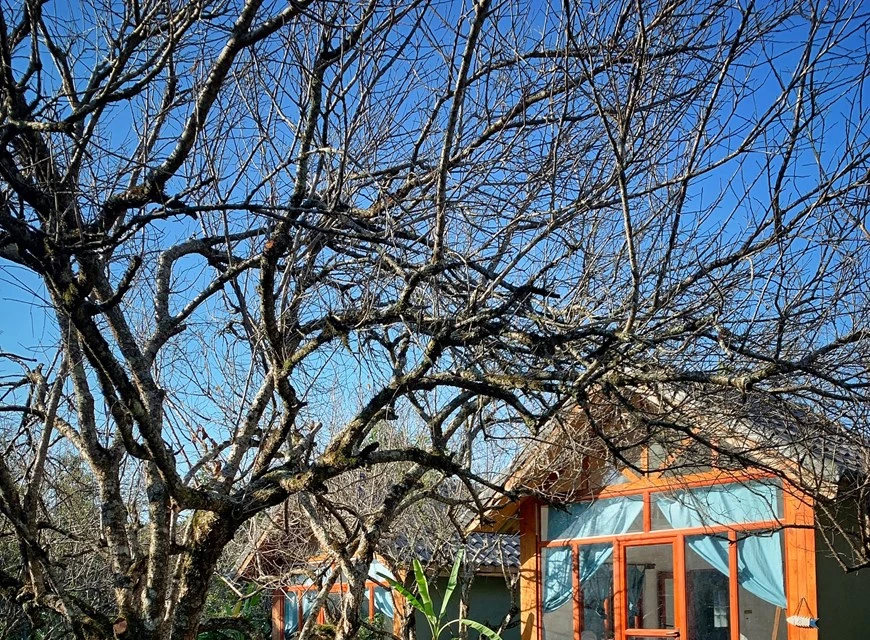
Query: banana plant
[{"x": 423, "y": 602}]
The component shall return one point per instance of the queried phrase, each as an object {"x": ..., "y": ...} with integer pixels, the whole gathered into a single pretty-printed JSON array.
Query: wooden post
[
  {"x": 529, "y": 571},
  {"x": 277, "y": 614},
  {"x": 800, "y": 560}
]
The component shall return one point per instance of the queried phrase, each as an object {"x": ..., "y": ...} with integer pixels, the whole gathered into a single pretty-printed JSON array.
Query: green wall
[
  {"x": 489, "y": 601},
  {"x": 843, "y": 598}
]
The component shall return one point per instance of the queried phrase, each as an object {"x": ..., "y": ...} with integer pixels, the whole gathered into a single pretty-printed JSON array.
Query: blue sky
[{"x": 25, "y": 328}]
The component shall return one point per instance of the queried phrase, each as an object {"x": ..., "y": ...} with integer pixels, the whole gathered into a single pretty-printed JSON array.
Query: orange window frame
[
  {"x": 301, "y": 590},
  {"x": 798, "y": 554}
]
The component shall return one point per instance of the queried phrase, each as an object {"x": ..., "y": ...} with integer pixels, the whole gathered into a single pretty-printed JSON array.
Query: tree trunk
[{"x": 209, "y": 534}]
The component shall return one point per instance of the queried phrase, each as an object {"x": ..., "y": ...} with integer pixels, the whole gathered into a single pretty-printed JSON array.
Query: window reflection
[
  {"x": 558, "y": 619},
  {"x": 649, "y": 572},
  {"x": 707, "y": 590},
  {"x": 596, "y": 591}
]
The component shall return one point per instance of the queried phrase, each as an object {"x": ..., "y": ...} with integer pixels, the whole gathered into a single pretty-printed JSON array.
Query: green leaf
[
  {"x": 482, "y": 629},
  {"x": 405, "y": 593},
  {"x": 451, "y": 582},
  {"x": 237, "y": 609},
  {"x": 423, "y": 588}
]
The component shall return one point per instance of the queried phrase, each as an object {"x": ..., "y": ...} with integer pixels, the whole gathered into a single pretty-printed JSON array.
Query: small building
[
  {"x": 699, "y": 520},
  {"x": 492, "y": 559},
  {"x": 295, "y": 602}
]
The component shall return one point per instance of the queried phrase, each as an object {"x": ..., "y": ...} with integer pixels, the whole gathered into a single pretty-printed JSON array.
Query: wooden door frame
[{"x": 620, "y": 586}]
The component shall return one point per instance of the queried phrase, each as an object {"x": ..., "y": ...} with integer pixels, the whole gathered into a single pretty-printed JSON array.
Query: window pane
[
  {"x": 760, "y": 576},
  {"x": 364, "y": 605},
  {"x": 608, "y": 516},
  {"x": 557, "y": 605},
  {"x": 596, "y": 591},
  {"x": 308, "y": 600},
  {"x": 384, "y": 607},
  {"x": 332, "y": 608},
  {"x": 717, "y": 505},
  {"x": 649, "y": 573},
  {"x": 707, "y": 589},
  {"x": 291, "y": 614}
]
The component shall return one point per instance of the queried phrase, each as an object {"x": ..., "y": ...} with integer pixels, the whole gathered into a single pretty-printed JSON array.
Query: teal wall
[{"x": 489, "y": 601}]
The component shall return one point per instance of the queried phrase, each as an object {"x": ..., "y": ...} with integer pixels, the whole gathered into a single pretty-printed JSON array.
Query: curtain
[
  {"x": 384, "y": 602},
  {"x": 592, "y": 557},
  {"x": 759, "y": 558},
  {"x": 608, "y": 516},
  {"x": 377, "y": 572},
  {"x": 720, "y": 504},
  {"x": 291, "y": 614},
  {"x": 557, "y": 577},
  {"x": 759, "y": 568},
  {"x": 597, "y": 585},
  {"x": 601, "y": 517},
  {"x": 308, "y": 599},
  {"x": 713, "y": 549},
  {"x": 383, "y": 597}
]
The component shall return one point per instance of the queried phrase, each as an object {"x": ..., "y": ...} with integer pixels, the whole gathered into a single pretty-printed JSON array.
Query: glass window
[
  {"x": 308, "y": 600},
  {"x": 364, "y": 605},
  {"x": 291, "y": 614},
  {"x": 717, "y": 505},
  {"x": 604, "y": 517},
  {"x": 596, "y": 591},
  {"x": 384, "y": 608},
  {"x": 558, "y": 618},
  {"x": 649, "y": 573},
  {"x": 708, "y": 593},
  {"x": 761, "y": 587},
  {"x": 332, "y": 608}
]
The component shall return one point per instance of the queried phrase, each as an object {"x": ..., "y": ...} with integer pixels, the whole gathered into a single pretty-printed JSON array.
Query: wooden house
[
  {"x": 698, "y": 520},
  {"x": 493, "y": 560}
]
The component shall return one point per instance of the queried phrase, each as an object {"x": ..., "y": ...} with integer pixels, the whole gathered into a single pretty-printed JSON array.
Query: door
[{"x": 649, "y": 602}]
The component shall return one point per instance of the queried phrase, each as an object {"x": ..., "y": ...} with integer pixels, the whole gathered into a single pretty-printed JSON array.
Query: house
[
  {"x": 294, "y": 602},
  {"x": 494, "y": 560},
  {"x": 698, "y": 520}
]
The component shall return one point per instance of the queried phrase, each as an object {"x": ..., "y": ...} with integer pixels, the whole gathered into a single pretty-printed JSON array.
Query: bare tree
[{"x": 248, "y": 219}]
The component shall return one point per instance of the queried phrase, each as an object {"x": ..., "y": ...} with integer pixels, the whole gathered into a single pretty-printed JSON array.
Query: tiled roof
[
  {"x": 494, "y": 550},
  {"x": 484, "y": 550}
]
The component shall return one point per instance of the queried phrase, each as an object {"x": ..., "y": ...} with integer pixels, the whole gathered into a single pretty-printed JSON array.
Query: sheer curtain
[
  {"x": 291, "y": 614},
  {"x": 759, "y": 557},
  {"x": 610, "y": 516},
  {"x": 383, "y": 597},
  {"x": 384, "y": 601},
  {"x": 308, "y": 599},
  {"x": 557, "y": 577},
  {"x": 720, "y": 504},
  {"x": 759, "y": 567},
  {"x": 596, "y": 581}
]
